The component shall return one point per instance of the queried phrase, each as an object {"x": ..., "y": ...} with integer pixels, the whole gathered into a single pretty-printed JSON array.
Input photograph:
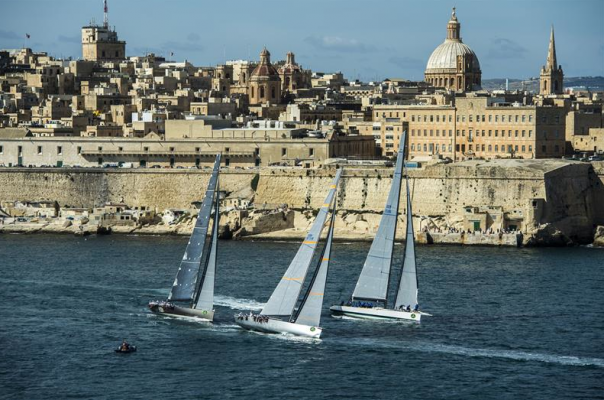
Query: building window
[
  {"x": 39, "y": 150},
  {"x": 523, "y": 148},
  {"x": 530, "y": 147},
  {"x": 496, "y": 148},
  {"x": 60, "y": 150},
  {"x": 1, "y": 149},
  {"x": 523, "y": 133},
  {"x": 79, "y": 149},
  {"x": 496, "y": 133},
  {"x": 543, "y": 148},
  {"x": 227, "y": 149},
  {"x": 490, "y": 148},
  {"x": 412, "y": 132},
  {"x": 516, "y": 133},
  {"x": 100, "y": 148},
  {"x": 530, "y": 133},
  {"x": 120, "y": 149},
  {"x": 556, "y": 148},
  {"x": 450, "y": 133},
  {"x": 283, "y": 152},
  {"x": 261, "y": 92},
  {"x": 171, "y": 148},
  {"x": 523, "y": 118},
  {"x": 425, "y": 147},
  {"x": 412, "y": 146},
  {"x": 530, "y": 118},
  {"x": 425, "y": 132}
]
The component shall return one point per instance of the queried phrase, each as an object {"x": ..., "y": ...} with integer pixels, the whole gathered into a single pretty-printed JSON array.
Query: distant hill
[{"x": 595, "y": 83}]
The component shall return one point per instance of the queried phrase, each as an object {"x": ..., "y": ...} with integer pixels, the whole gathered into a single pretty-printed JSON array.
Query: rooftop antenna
[{"x": 106, "y": 16}]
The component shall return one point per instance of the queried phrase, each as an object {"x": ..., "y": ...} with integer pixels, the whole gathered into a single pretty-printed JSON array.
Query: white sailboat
[
  {"x": 279, "y": 314},
  {"x": 192, "y": 293},
  {"x": 370, "y": 297}
]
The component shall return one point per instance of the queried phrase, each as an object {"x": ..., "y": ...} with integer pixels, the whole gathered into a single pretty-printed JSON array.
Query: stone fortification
[{"x": 551, "y": 202}]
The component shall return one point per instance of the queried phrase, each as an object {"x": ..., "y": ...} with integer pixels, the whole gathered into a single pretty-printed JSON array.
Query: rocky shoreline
[{"x": 515, "y": 239}]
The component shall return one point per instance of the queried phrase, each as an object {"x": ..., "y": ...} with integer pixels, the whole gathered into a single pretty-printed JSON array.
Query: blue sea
[{"x": 507, "y": 323}]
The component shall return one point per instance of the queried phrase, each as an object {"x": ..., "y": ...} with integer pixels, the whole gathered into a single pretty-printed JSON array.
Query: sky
[{"x": 364, "y": 39}]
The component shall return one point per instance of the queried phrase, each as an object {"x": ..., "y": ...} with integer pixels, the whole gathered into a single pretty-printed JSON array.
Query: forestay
[
  {"x": 312, "y": 304},
  {"x": 373, "y": 281},
  {"x": 285, "y": 296},
  {"x": 407, "y": 289},
  {"x": 205, "y": 300},
  {"x": 183, "y": 288}
]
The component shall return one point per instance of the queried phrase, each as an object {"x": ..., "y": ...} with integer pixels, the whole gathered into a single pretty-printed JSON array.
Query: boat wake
[
  {"x": 238, "y": 304},
  {"x": 487, "y": 353}
]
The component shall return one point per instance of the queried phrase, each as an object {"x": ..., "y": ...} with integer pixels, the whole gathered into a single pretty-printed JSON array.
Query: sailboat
[
  {"x": 192, "y": 293},
  {"x": 280, "y": 314},
  {"x": 370, "y": 297}
]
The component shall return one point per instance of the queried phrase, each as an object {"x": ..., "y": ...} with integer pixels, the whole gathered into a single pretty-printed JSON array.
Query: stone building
[
  {"x": 100, "y": 42},
  {"x": 264, "y": 83},
  {"x": 551, "y": 79},
  {"x": 454, "y": 65},
  {"x": 257, "y": 145},
  {"x": 292, "y": 76}
]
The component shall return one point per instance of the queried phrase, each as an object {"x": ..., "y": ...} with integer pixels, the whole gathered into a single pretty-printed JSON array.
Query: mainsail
[
  {"x": 185, "y": 283},
  {"x": 373, "y": 281},
  {"x": 407, "y": 289},
  {"x": 284, "y": 298},
  {"x": 205, "y": 299},
  {"x": 312, "y": 304}
]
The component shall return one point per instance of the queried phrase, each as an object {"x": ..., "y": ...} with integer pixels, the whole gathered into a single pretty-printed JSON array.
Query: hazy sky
[{"x": 365, "y": 39}]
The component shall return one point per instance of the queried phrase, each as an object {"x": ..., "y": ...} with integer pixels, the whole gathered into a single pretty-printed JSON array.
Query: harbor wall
[{"x": 548, "y": 198}]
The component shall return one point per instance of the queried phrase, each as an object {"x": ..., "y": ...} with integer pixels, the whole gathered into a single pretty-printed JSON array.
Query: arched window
[
  {"x": 273, "y": 92},
  {"x": 252, "y": 91},
  {"x": 243, "y": 77},
  {"x": 261, "y": 92},
  {"x": 556, "y": 86}
]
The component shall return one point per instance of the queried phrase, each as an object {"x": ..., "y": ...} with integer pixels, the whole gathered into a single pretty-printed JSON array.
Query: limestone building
[
  {"x": 100, "y": 42},
  {"x": 292, "y": 76},
  {"x": 551, "y": 79},
  {"x": 454, "y": 65},
  {"x": 265, "y": 84}
]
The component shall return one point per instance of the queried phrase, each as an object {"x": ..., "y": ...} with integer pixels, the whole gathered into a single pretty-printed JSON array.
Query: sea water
[{"x": 507, "y": 324}]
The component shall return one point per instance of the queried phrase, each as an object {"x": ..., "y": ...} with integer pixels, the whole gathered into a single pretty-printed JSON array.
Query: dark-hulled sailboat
[
  {"x": 370, "y": 297},
  {"x": 192, "y": 294},
  {"x": 280, "y": 314}
]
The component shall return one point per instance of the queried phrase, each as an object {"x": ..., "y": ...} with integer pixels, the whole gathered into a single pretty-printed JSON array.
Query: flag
[{"x": 27, "y": 35}]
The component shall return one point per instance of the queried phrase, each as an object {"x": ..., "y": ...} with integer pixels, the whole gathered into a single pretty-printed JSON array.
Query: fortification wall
[{"x": 572, "y": 193}]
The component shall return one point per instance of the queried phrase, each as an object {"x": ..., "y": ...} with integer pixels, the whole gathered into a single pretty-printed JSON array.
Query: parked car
[{"x": 596, "y": 157}]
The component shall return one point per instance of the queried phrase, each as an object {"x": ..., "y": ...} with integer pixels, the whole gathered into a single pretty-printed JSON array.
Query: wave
[
  {"x": 237, "y": 304},
  {"x": 487, "y": 353}
]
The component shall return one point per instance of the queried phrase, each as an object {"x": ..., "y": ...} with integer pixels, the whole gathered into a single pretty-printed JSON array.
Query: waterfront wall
[{"x": 550, "y": 198}]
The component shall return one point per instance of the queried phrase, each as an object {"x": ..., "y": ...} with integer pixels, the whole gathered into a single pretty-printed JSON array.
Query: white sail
[
  {"x": 285, "y": 296},
  {"x": 205, "y": 299},
  {"x": 407, "y": 289},
  {"x": 373, "y": 281},
  {"x": 185, "y": 283},
  {"x": 312, "y": 304}
]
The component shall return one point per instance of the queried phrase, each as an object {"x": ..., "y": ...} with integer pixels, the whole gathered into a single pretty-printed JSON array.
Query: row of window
[{"x": 435, "y": 147}]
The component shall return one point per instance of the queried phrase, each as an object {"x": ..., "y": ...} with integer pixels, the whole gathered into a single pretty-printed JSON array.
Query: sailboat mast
[
  {"x": 374, "y": 279},
  {"x": 321, "y": 260},
  {"x": 210, "y": 251}
]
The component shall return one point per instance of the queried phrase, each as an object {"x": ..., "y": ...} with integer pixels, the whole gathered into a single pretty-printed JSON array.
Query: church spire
[{"x": 552, "y": 62}]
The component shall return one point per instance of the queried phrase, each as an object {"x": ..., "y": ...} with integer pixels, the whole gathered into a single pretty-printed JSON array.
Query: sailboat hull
[
  {"x": 375, "y": 313},
  {"x": 164, "y": 309},
  {"x": 246, "y": 321}
]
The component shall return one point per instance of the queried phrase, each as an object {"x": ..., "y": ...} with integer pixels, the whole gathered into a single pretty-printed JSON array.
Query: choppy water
[{"x": 508, "y": 324}]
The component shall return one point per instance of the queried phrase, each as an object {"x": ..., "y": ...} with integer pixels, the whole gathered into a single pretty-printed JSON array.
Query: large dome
[{"x": 445, "y": 56}]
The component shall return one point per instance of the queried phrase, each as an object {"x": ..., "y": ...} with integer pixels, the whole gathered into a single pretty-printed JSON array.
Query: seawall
[{"x": 545, "y": 198}]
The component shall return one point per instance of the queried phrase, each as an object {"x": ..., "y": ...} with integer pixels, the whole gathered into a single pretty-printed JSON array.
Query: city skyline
[{"x": 510, "y": 38}]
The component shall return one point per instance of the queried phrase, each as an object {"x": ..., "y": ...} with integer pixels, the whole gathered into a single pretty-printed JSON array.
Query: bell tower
[{"x": 551, "y": 80}]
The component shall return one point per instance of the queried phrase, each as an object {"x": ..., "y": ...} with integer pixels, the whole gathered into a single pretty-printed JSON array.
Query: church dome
[{"x": 445, "y": 56}]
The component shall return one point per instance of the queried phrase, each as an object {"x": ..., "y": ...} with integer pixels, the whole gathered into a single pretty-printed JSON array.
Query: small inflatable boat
[{"x": 130, "y": 349}]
